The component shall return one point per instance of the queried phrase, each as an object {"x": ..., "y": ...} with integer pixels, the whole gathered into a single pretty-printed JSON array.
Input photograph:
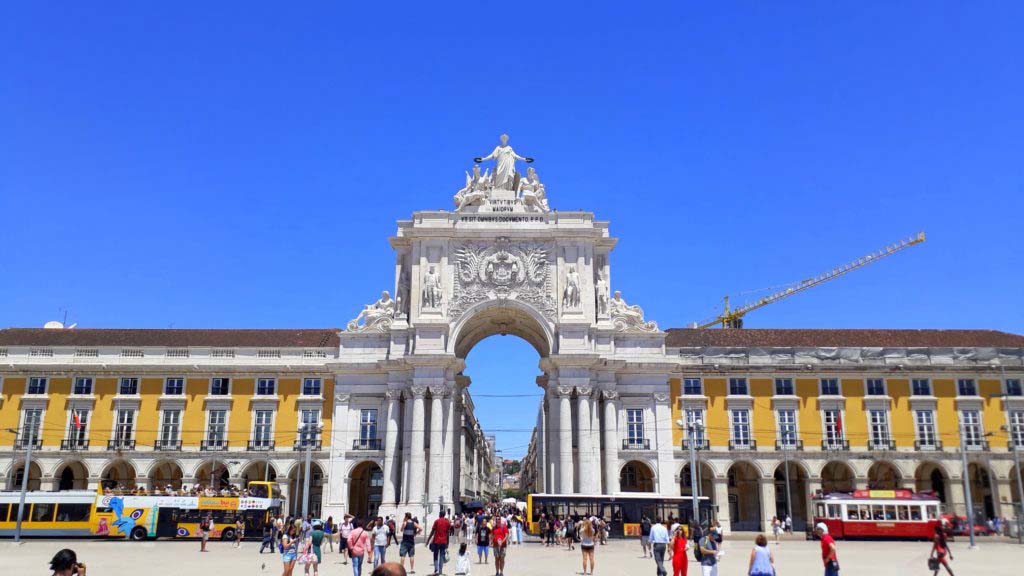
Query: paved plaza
[{"x": 166, "y": 558}]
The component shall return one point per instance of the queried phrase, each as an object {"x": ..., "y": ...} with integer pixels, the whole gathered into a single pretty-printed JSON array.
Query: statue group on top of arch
[
  {"x": 378, "y": 315},
  {"x": 627, "y": 318},
  {"x": 479, "y": 189}
]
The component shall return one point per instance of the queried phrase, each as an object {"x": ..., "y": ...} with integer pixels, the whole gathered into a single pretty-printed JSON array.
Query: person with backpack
[
  {"x": 645, "y": 536},
  {"x": 407, "y": 548},
  {"x": 707, "y": 547}
]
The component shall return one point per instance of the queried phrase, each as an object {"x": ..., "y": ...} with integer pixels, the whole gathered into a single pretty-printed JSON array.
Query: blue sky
[{"x": 241, "y": 165}]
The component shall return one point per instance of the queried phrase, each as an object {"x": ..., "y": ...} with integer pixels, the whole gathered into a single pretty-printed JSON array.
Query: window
[
  {"x": 830, "y": 387},
  {"x": 170, "y": 428},
  {"x": 875, "y": 387},
  {"x": 36, "y": 386},
  {"x": 220, "y": 386},
  {"x": 125, "y": 427},
  {"x": 635, "y": 425},
  {"x": 266, "y": 387},
  {"x": 83, "y": 386},
  {"x": 308, "y": 421},
  {"x": 216, "y": 430},
  {"x": 693, "y": 416},
  {"x": 692, "y": 387},
  {"x": 787, "y": 428},
  {"x": 921, "y": 387},
  {"x": 368, "y": 424},
  {"x": 174, "y": 386},
  {"x": 925, "y": 423},
  {"x": 73, "y": 512},
  {"x": 783, "y": 386},
  {"x": 738, "y": 387},
  {"x": 741, "y": 427},
  {"x": 129, "y": 387},
  {"x": 973, "y": 436},
  {"x": 77, "y": 425},
  {"x": 833, "y": 429},
  {"x": 262, "y": 432},
  {"x": 42, "y": 512},
  {"x": 1013, "y": 388},
  {"x": 311, "y": 387},
  {"x": 966, "y": 387},
  {"x": 31, "y": 425},
  {"x": 878, "y": 428},
  {"x": 1017, "y": 429}
]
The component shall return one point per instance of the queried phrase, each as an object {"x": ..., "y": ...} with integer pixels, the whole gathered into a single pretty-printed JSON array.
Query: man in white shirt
[{"x": 659, "y": 541}]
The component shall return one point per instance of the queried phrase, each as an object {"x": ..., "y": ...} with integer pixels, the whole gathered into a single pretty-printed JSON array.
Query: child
[{"x": 462, "y": 562}]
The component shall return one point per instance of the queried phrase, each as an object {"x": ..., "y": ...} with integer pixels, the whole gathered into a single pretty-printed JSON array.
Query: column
[
  {"x": 416, "y": 465},
  {"x": 666, "y": 459},
  {"x": 767, "y": 497},
  {"x": 611, "y": 441},
  {"x": 722, "y": 500},
  {"x": 955, "y": 490},
  {"x": 435, "y": 466},
  {"x": 553, "y": 455},
  {"x": 584, "y": 446},
  {"x": 451, "y": 455},
  {"x": 336, "y": 494},
  {"x": 391, "y": 448},
  {"x": 542, "y": 453},
  {"x": 565, "y": 468},
  {"x": 595, "y": 441}
]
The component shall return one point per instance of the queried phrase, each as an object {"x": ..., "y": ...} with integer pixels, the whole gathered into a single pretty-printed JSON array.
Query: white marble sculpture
[
  {"x": 571, "y": 294},
  {"x": 532, "y": 192},
  {"x": 432, "y": 293},
  {"x": 374, "y": 316},
  {"x": 475, "y": 191},
  {"x": 402, "y": 296},
  {"x": 602, "y": 293},
  {"x": 629, "y": 318},
  {"x": 505, "y": 170}
]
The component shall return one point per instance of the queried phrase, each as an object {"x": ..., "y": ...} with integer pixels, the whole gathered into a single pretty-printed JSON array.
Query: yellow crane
[{"x": 733, "y": 317}]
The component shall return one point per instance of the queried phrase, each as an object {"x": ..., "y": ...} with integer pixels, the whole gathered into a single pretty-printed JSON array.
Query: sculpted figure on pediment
[
  {"x": 532, "y": 192},
  {"x": 505, "y": 168},
  {"x": 432, "y": 293},
  {"x": 475, "y": 191},
  {"x": 629, "y": 318},
  {"x": 374, "y": 316},
  {"x": 602, "y": 293},
  {"x": 571, "y": 294}
]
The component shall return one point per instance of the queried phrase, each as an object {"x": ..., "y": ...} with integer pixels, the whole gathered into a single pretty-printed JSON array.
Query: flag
[
  {"x": 78, "y": 421},
  {"x": 839, "y": 424}
]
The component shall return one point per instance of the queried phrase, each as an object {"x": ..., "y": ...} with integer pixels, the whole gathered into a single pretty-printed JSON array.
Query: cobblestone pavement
[{"x": 793, "y": 557}]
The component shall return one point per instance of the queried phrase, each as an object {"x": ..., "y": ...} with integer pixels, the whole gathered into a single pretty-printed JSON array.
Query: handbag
[{"x": 933, "y": 563}]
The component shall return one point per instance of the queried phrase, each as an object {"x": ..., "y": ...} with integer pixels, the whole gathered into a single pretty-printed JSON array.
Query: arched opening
[
  {"x": 364, "y": 490},
  {"x": 1016, "y": 480},
  {"x": 982, "y": 492},
  {"x": 884, "y": 476},
  {"x": 705, "y": 481},
  {"x": 636, "y": 476},
  {"x": 35, "y": 476},
  {"x": 744, "y": 497},
  {"x": 259, "y": 471},
  {"x": 797, "y": 491},
  {"x": 837, "y": 477},
  {"x": 214, "y": 474},
  {"x": 930, "y": 477},
  {"x": 164, "y": 475},
  {"x": 119, "y": 475},
  {"x": 72, "y": 476},
  {"x": 296, "y": 485}
]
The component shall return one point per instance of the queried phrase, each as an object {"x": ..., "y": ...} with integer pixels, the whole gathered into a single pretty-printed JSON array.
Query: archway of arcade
[
  {"x": 35, "y": 475},
  {"x": 983, "y": 495},
  {"x": 296, "y": 487},
  {"x": 792, "y": 487},
  {"x": 744, "y": 497},
  {"x": 364, "y": 490},
  {"x": 931, "y": 477},
  {"x": 705, "y": 482},
  {"x": 72, "y": 475},
  {"x": 636, "y": 476}
]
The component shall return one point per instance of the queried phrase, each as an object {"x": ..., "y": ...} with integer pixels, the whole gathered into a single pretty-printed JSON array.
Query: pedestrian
[
  {"x": 677, "y": 545},
  {"x": 940, "y": 550},
  {"x": 789, "y": 524},
  {"x": 708, "y": 547},
  {"x": 239, "y": 531},
  {"x": 828, "y": 550},
  {"x": 776, "y": 528},
  {"x": 437, "y": 541},
  {"x": 462, "y": 564},
  {"x": 571, "y": 527},
  {"x": 329, "y": 530},
  {"x": 65, "y": 563},
  {"x": 308, "y": 557},
  {"x": 499, "y": 537},
  {"x": 290, "y": 551},
  {"x": 268, "y": 537},
  {"x": 645, "y": 536},
  {"x": 762, "y": 562},
  {"x": 587, "y": 541},
  {"x": 344, "y": 531},
  {"x": 317, "y": 539},
  {"x": 358, "y": 545},
  {"x": 483, "y": 542},
  {"x": 542, "y": 528},
  {"x": 407, "y": 549},
  {"x": 659, "y": 542},
  {"x": 381, "y": 538},
  {"x": 552, "y": 529},
  {"x": 205, "y": 526}
]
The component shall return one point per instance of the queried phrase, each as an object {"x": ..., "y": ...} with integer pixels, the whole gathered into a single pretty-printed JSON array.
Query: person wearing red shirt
[
  {"x": 499, "y": 540},
  {"x": 437, "y": 541},
  {"x": 828, "y": 550}
]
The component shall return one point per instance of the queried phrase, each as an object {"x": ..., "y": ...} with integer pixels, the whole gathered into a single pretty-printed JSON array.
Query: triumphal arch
[{"x": 503, "y": 261}]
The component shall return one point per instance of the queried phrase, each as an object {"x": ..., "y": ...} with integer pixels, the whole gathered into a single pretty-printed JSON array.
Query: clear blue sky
[{"x": 241, "y": 165}]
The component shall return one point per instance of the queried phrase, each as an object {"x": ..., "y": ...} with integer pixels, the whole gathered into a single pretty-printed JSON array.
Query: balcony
[
  {"x": 976, "y": 445},
  {"x": 698, "y": 444},
  {"x": 215, "y": 445},
  {"x": 791, "y": 445},
  {"x": 121, "y": 444},
  {"x": 367, "y": 444},
  {"x": 835, "y": 444},
  {"x": 260, "y": 445},
  {"x": 24, "y": 443},
  {"x": 74, "y": 444},
  {"x": 742, "y": 445},
  {"x": 881, "y": 445},
  {"x": 636, "y": 443},
  {"x": 1014, "y": 446},
  {"x": 167, "y": 445},
  {"x": 928, "y": 446}
]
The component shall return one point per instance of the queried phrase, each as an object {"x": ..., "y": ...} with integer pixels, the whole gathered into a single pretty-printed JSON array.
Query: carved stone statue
[
  {"x": 475, "y": 191},
  {"x": 377, "y": 315},
  {"x": 571, "y": 293},
  {"x": 402, "y": 296},
  {"x": 532, "y": 191},
  {"x": 505, "y": 157},
  {"x": 432, "y": 293},
  {"x": 602, "y": 293},
  {"x": 629, "y": 318}
]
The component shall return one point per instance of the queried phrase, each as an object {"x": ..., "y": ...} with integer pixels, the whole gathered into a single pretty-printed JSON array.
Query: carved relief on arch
[{"x": 502, "y": 270}]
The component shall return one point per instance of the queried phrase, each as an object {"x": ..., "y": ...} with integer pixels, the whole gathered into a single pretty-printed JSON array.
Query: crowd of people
[{"x": 225, "y": 491}]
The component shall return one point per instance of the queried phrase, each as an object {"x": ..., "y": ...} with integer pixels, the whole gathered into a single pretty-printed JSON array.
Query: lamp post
[
  {"x": 306, "y": 429},
  {"x": 789, "y": 498},
  {"x": 691, "y": 429},
  {"x": 24, "y": 483}
]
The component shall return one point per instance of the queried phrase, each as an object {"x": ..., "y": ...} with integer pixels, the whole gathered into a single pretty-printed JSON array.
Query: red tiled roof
[
  {"x": 825, "y": 338},
  {"x": 225, "y": 338}
]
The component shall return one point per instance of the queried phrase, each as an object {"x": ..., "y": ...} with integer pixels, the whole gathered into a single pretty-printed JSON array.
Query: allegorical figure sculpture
[
  {"x": 505, "y": 157},
  {"x": 571, "y": 294},
  {"x": 475, "y": 190},
  {"x": 431, "y": 289},
  {"x": 402, "y": 296},
  {"x": 602, "y": 293},
  {"x": 626, "y": 317},
  {"x": 377, "y": 315},
  {"x": 532, "y": 191}
]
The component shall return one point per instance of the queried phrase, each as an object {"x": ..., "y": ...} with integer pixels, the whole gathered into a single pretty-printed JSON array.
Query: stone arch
[
  {"x": 982, "y": 483},
  {"x": 258, "y": 470},
  {"x": 884, "y": 475},
  {"x": 213, "y": 472},
  {"x": 744, "y": 483},
  {"x": 705, "y": 480},
  {"x": 119, "y": 472},
  {"x": 799, "y": 489},
  {"x": 17, "y": 471},
  {"x": 502, "y": 317},
  {"x": 931, "y": 476},
  {"x": 163, "y": 473},
  {"x": 837, "y": 476},
  {"x": 365, "y": 489},
  {"x": 72, "y": 475},
  {"x": 296, "y": 483},
  {"x": 636, "y": 476}
]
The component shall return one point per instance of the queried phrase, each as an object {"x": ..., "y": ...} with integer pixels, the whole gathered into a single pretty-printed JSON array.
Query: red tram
[{"x": 878, "y": 514}]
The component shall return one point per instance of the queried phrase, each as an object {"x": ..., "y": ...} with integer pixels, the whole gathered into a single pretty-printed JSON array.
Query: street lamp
[
  {"x": 307, "y": 429},
  {"x": 24, "y": 482},
  {"x": 692, "y": 428}
]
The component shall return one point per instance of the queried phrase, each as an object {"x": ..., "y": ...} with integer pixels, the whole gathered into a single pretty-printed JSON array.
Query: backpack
[
  {"x": 204, "y": 525},
  {"x": 696, "y": 551}
]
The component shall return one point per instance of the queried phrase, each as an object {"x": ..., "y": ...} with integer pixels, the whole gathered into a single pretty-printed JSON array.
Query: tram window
[
  {"x": 258, "y": 490},
  {"x": 915, "y": 512},
  {"x": 876, "y": 512},
  {"x": 24, "y": 513},
  {"x": 851, "y": 512},
  {"x": 42, "y": 512},
  {"x": 932, "y": 511},
  {"x": 5, "y": 510},
  {"x": 821, "y": 511},
  {"x": 889, "y": 512},
  {"x": 73, "y": 512},
  {"x": 835, "y": 511},
  {"x": 903, "y": 512}
]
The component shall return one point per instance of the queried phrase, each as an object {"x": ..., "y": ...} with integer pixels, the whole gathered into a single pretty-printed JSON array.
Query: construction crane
[{"x": 733, "y": 318}]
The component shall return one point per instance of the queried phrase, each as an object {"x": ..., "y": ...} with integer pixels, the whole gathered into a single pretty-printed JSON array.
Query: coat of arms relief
[{"x": 503, "y": 270}]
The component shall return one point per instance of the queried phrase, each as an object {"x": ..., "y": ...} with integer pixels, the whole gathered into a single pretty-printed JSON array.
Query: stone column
[
  {"x": 450, "y": 454},
  {"x": 391, "y": 447},
  {"x": 767, "y": 498},
  {"x": 435, "y": 466},
  {"x": 542, "y": 453},
  {"x": 955, "y": 490},
  {"x": 721, "y": 486},
  {"x": 666, "y": 459},
  {"x": 336, "y": 494},
  {"x": 584, "y": 446},
  {"x": 416, "y": 464},
  {"x": 565, "y": 467},
  {"x": 611, "y": 441},
  {"x": 553, "y": 454}
]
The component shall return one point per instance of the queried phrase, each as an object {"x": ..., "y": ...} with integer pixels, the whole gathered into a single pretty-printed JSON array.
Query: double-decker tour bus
[
  {"x": 138, "y": 516},
  {"x": 877, "y": 514},
  {"x": 623, "y": 511}
]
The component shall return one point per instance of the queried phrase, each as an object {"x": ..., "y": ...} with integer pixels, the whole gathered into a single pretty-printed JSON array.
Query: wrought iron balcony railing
[
  {"x": 214, "y": 445},
  {"x": 698, "y": 444},
  {"x": 636, "y": 443},
  {"x": 121, "y": 444},
  {"x": 976, "y": 445},
  {"x": 74, "y": 444},
  {"x": 929, "y": 446},
  {"x": 23, "y": 443},
  {"x": 791, "y": 445},
  {"x": 837, "y": 444},
  {"x": 881, "y": 445},
  {"x": 365, "y": 444},
  {"x": 260, "y": 445},
  {"x": 166, "y": 445},
  {"x": 743, "y": 444}
]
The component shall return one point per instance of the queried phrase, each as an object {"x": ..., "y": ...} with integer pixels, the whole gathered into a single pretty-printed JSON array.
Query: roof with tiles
[
  {"x": 828, "y": 338},
  {"x": 224, "y": 338}
]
